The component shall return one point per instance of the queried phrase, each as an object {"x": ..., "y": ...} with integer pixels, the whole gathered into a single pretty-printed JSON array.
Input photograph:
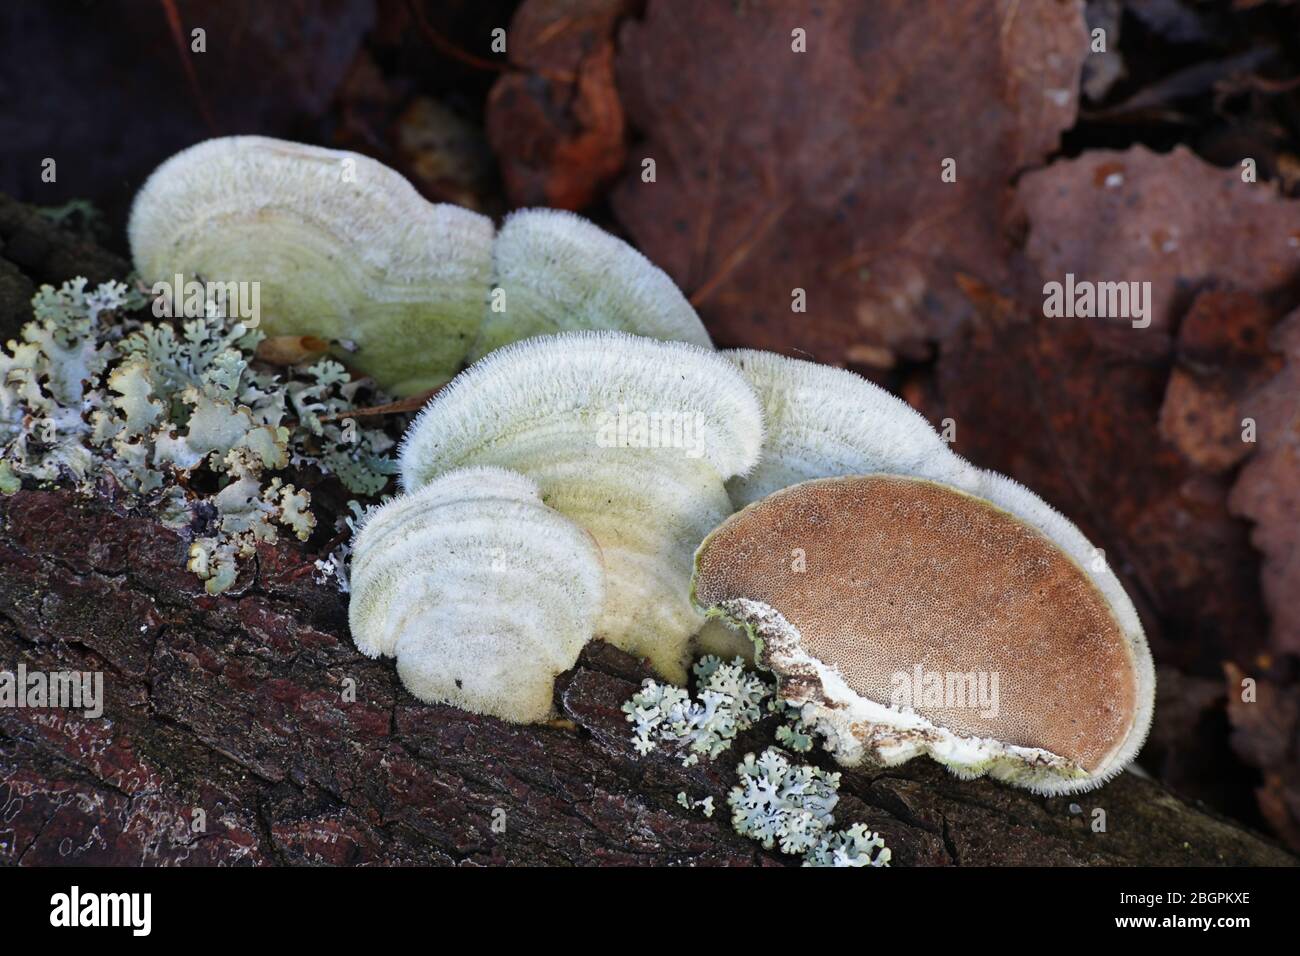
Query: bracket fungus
[
  {"x": 342, "y": 248},
  {"x": 481, "y": 592},
  {"x": 824, "y": 421},
  {"x": 913, "y": 600},
  {"x": 557, "y": 272},
  {"x": 630, "y": 437}
]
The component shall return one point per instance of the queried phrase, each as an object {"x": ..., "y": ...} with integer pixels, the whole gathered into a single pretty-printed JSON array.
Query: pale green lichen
[
  {"x": 794, "y": 733},
  {"x": 856, "y": 846},
  {"x": 705, "y": 805},
  {"x": 335, "y": 567},
  {"x": 790, "y": 806},
  {"x": 783, "y": 804},
  {"x": 730, "y": 700},
  {"x": 778, "y": 803},
  {"x": 152, "y": 407},
  {"x": 78, "y": 216}
]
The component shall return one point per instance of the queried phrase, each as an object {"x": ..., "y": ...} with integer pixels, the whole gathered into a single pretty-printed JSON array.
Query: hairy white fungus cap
[
  {"x": 557, "y": 272},
  {"x": 824, "y": 421},
  {"x": 630, "y": 437},
  {"x": 481, "y": 592},
  {"x": 906, "y": 585},
  {"x": 343, "y": 247}
]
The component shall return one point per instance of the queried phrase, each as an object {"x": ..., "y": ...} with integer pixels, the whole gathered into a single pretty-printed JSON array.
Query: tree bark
[{"x": 229, "y": 736}]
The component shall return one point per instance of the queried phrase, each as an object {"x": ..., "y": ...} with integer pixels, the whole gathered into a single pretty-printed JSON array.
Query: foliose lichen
[
  {"x": 705, "y": 805},
  {"x": 730, "y": 700},
  {"x": 783, "y": 804},
  {"x": 180, "y": 418},
  {"x": 777, "y": 802},
  {"x": 794, "y": 733},
  {"x": 856, "y": 846},
  {"x": 790, "y": 806},
  {"x": 335, "y": 567}
]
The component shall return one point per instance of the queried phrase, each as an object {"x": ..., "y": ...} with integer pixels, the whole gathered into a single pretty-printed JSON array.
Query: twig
[
  {"x": 412, "y": 403},
  {"x": 739, "y": 254},
  {"x": 178, "y": 36}
]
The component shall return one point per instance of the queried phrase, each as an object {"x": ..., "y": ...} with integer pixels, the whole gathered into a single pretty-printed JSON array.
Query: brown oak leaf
[
  {"x": 1268, "y": 488},
  {"x": 558, "y": 128},
  {"x": 1076, "y": 420},
  {"x": 1169, "y": 219},
  {"x": 777, "y": 171},
  {"x": 1221, "y": 356}
]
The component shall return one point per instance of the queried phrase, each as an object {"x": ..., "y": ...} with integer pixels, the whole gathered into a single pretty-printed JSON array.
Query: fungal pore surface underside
[{"x": 908, "y": 617}]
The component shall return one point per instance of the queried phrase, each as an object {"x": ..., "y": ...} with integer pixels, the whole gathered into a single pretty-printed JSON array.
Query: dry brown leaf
[
  {"x": 558, "y": 129},
  {"x": 1044, "y": 401},
  {"x": 1221, "y": 356},
  {"x": 1184, "y": 226},
  {"x": 821, "y": 171},
  {"x": 1266, "y": 735},
  {"x": 1268, "y": 488},
  {"x": 285, "y": 350},
  {"x": 1172, "y": 220}
]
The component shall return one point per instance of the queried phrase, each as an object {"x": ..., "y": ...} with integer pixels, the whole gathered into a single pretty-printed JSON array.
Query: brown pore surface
[{"x": 901, "y": 571}]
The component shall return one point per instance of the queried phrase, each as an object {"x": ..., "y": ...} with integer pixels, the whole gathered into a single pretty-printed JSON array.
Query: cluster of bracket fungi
[{"x": 599, "y": 470}]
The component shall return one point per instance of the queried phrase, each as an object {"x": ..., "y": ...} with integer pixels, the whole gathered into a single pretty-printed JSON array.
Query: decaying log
[{"x": 238, "y": 706}]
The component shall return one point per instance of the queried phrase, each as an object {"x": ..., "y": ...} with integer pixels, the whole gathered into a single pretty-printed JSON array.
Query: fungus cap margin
[
  {"x": 824, "y": 421},
  {"x": 560, "y": 272},
  {"x": 481, "y": 592},
  {"x": 344, "y": 248}
]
